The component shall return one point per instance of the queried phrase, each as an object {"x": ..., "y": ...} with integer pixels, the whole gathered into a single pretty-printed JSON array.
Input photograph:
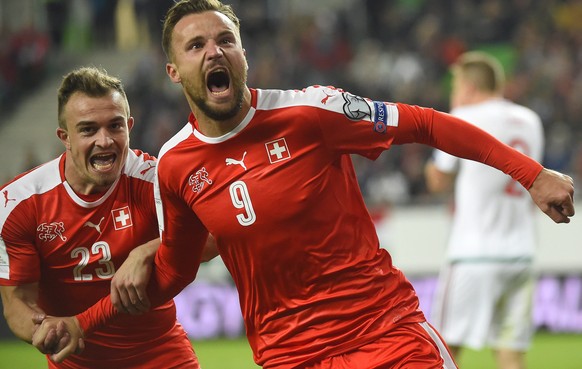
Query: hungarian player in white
[{"x": 485, "y": 294}]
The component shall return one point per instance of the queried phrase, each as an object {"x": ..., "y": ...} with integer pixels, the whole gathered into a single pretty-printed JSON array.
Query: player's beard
[{"x": 237, "y": 84}]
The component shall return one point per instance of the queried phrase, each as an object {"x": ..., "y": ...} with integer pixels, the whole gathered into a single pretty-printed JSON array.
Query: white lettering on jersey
[
  {"x": 100, "y": 248},
  {"x": 241, "y": 199},
  {"x": 4, "y": 261}
]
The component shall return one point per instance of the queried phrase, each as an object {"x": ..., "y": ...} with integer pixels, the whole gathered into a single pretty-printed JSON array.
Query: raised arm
[{"x": 552, "y": 192}]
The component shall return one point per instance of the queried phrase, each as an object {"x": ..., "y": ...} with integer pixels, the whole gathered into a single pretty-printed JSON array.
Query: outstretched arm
[{"x": 551, "y": 191}]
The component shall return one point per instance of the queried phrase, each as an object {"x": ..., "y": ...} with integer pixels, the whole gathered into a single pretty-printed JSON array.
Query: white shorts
[{"x": 480, "y": 304}]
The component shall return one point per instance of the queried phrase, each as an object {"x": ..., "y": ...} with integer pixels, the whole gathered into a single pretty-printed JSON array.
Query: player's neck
[{"x": 210, "y": 127}]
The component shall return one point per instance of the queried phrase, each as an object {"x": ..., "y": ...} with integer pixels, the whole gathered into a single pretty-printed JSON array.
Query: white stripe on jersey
[
  {"x": 182, "y": 135},
  {"x": 449, "y": 363}
]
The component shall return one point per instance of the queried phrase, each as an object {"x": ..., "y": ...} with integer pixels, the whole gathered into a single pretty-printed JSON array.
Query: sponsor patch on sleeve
[{"x": 384, "y": 115}]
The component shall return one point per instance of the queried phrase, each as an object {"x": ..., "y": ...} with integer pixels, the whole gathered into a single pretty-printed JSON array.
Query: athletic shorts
[
  {"x": 480, "y": 304},
  {"x": 410, "y": 346}
]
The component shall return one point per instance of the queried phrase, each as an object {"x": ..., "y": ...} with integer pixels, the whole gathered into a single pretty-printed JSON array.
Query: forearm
[
  {"x": 19, "y": 309},
  {"x": 459, "y": 138},
  {"x": 174, "y": 268},
  {"x": 147, "y": 251}
]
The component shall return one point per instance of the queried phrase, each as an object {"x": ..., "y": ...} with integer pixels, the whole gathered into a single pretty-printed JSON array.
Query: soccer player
[
  {"x": 485, "y": 294},
  {"x": 71, "y": 223},
  {"x": 268, "y": 173}
]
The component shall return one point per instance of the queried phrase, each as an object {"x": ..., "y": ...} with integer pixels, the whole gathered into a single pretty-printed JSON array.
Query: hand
[
  {"x": 51, "y": 342},
  {"x": 58, "y": 336},
  {"x": 128, "y": 286},
  {"x": 553, "y": 193}
]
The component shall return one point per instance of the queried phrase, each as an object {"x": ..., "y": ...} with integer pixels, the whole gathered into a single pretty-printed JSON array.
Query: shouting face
[
  {"x": 96, "y": 139},
  {"x": 210, "y": 63}
]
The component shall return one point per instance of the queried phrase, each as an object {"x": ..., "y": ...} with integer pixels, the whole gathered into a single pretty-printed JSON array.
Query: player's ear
[
  {"x": 63, "y": 135},
  {"x": 173, "y": 73},
  {"x": 130, "y": 122}
]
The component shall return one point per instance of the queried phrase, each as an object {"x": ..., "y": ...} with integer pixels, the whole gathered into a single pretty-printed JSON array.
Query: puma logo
[
  {"x": 240, "y": 162},
  {"x": 144, "y": 171},
  {"x": 96, "y": 226},
  {"x": 327, "y": 96},
  {"x": 6, "y": 198}
]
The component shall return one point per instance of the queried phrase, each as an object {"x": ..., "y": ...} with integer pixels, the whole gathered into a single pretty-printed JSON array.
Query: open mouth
[
  {"x": 218, "y": 82},
  {"x": 103, "y": 162}
]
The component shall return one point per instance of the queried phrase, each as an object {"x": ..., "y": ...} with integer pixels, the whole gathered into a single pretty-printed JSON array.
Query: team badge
[
  {"x": 199, "y": 179},
  {"x": 277, "y": 150},
  {"x": 49, "y": 231},
  {"x": 121, "y": 218}
]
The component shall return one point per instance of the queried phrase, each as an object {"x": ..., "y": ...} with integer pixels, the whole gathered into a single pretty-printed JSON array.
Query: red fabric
[{"x": 459, "y": 138}]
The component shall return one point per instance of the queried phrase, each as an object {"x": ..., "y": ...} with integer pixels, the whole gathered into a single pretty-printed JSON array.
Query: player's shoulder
[
  {"x": 36, "y": 181},
  {"x": 140, "y": 165},
  {"x": 179, "y": 138},
  {"x": 315, "y": 96},
  {"x": 524, "y": 111}
]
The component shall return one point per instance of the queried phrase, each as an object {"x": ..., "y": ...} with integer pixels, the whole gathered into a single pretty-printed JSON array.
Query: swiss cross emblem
[
  {"x": 277, "y": 150},
  {"x": 121, "y": 218}
]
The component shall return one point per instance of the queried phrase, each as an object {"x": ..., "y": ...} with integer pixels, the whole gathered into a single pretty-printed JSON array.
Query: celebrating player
[
  {"x": 268, "y": 173},
  {"x": 73, "y": 222}
]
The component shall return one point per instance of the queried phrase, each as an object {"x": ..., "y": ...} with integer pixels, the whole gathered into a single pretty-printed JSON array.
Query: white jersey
[{"x": 494, "y": 215}]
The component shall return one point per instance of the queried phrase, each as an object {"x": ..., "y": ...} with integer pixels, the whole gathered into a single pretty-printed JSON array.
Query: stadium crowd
[{"x": 388, "y": 50}]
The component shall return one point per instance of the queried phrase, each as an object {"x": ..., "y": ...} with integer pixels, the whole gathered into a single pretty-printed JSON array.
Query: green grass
[{"x": 549, "y": 351}]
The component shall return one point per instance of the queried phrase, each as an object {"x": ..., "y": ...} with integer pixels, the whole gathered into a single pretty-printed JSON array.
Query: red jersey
[
  {"x": 72, "y": 245},
  {"x": 280, "y": 196}
]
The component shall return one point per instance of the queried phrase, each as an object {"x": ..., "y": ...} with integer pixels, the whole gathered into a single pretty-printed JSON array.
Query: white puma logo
[
  {"x": 240, "y": 162},
  {"x": 96, "y": 226}
]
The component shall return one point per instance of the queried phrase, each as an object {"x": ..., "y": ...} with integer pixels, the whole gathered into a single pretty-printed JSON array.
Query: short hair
[
  {"x": 183, "y": 8},
  {"x": 91, "y": 81},
  {"x": 483, "y": 70}
]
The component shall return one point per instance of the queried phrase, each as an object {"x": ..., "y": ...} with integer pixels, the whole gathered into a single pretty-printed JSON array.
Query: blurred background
[{"x": 396, "y": 51}]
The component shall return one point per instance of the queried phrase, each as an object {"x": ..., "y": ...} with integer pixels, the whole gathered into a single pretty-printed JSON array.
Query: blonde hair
[{"x": 481, "y": 69}]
